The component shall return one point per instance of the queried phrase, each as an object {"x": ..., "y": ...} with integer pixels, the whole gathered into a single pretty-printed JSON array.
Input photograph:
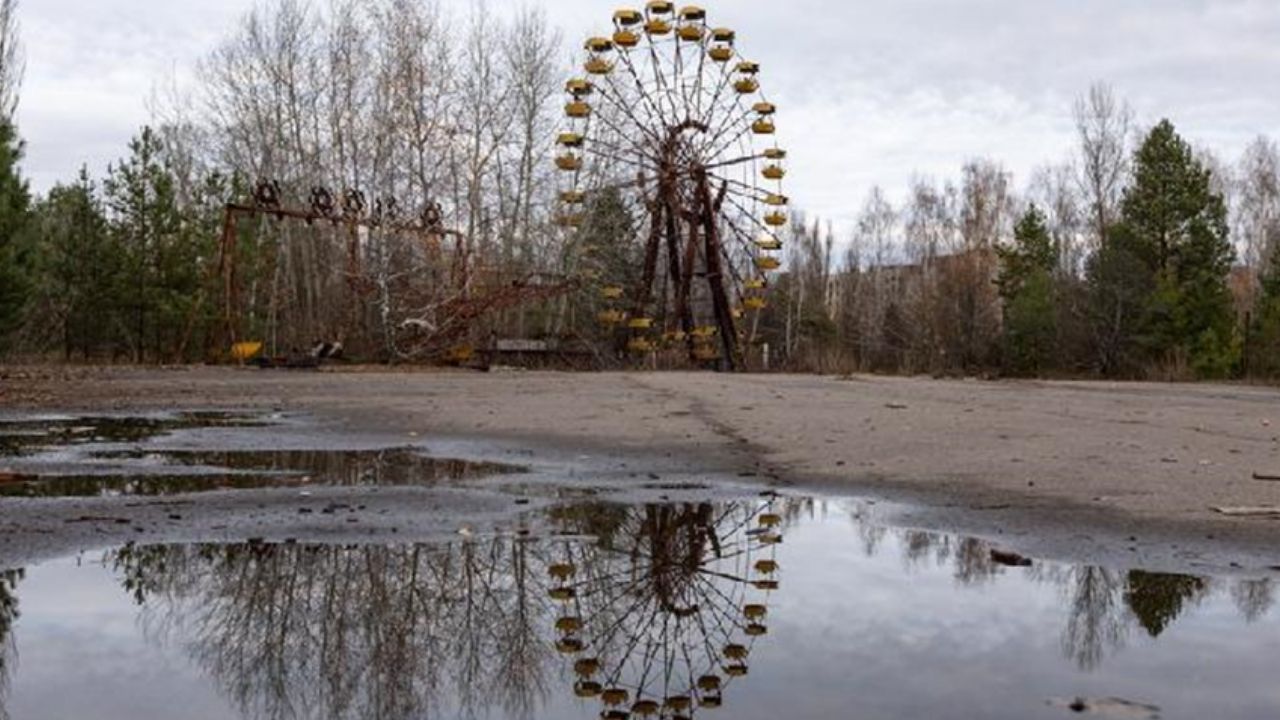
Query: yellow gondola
[
  {"x": 645, "y": 708},
  {"x": 775, "y": 219},
  {"x": 573, "y": 197},
  {"x": 774, "y": 172},
  {"x": 762, "y": 127},
  {"x": 754, "y": 303},
  {"x": 569, "y": 221},
  {"x": 709, "y": 683},
  {"x": 626, "y": 39},
  {"x": 627, "y": 17},
  {"x": 724, "y": 35},
  {"x": 657, "y": 28},
  {"x": 615, "y": 696},
  {"x": 587, "y": 689},
  {"x": 598, "y": 66},
  {"x": 611, "y": 292},
  {"x": 768, "y": 263},
  {"x": 768, "y": 242},
  {"x": 679, "y": 703},
  {"x": 765, "y": 108},
  {"x": 746, "y": 86},
  {"x": 776, "y": 200},
  {"x": 579, "y": 87},
  {"x": 578, "y": 109},
  {"x": 766, "y": 567},
  {"x": 746, "y": 67},
  {"x": 660, "y": 7},
  {"x": 756, "y": 630},
  {"x": 599, "y": 45},
  {"x": 691, "y": 33},
  {"x": 610, "y": 317},
  {"x": 571, "y": 140},
  {"x": 720, "y": 54},
  {"x": 569, "y": 162},
  {"x": 736, "y": 670},
  {"x": 736, "y": 652},
  {"x": 692, "y": 13},
  {"x": 756, "y": 284},
  {"x": 640, "y": 323},
  {"x": 775, "y": 154}
]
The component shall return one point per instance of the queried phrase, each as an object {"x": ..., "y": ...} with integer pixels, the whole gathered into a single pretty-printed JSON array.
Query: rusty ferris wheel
[{"x": 671, "y": 119}]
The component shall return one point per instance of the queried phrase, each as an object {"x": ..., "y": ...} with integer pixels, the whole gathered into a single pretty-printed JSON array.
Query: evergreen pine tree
[
  {"x": 1027, "y": 289},
  {"x": 15, "y": 244},
  {"x": 1177, "y": 227}
]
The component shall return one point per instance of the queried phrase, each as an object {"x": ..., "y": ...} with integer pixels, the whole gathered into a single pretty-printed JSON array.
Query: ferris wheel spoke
[
  {"x": 617, "y": 100},
  {"x": 653, "y": 112}
]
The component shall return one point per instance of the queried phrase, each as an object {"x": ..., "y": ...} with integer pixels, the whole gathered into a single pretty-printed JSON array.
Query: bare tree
[
  {"x": 12, "y": 59},
  {"x": 1257, "y": 226},
  {"x": 1104, "y": 124}
]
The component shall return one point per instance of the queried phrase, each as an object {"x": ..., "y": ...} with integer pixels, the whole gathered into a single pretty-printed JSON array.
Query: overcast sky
[{"x": 869, "y": 92}]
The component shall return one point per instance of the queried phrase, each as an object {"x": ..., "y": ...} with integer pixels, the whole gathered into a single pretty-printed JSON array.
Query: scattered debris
[
  {"x": 1108, "y": 707},
  {"x": 1247, "y": 511}
]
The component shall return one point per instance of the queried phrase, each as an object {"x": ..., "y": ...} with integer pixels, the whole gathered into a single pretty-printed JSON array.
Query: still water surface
[{"x": 760, "y": 609}]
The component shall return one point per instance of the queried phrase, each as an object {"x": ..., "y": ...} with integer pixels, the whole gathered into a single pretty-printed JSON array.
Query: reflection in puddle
[
  {"x": 631, "y": 611},
  {"x": 205, "y": 470},
  {"x": 22, "y": 437}
]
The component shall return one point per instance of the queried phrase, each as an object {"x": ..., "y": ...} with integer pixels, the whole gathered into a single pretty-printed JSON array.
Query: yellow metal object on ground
[
  {"x": 243, "y": 351},
  {"x": 461, "y": 354}
]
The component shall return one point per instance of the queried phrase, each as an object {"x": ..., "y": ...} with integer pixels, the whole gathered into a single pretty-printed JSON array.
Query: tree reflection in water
[
  {"x": 9, "y": 580},
  {"x": 648, "y": 607},
  {"x": 633, "y": 610}
]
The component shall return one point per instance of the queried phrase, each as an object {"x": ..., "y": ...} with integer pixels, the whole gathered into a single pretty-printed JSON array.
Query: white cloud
[{"x": 870, "y": 92}]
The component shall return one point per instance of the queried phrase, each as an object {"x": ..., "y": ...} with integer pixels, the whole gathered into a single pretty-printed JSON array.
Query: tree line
[
  {"x": 1139, "y": 256},
  {"x": 1142, "y": 256}
]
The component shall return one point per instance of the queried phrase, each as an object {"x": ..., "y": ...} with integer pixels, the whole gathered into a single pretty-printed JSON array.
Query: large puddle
[{"x": 762, "y": 609}]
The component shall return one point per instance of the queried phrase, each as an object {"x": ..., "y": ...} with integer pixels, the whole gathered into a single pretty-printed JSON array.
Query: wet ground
[{"x": 681, "y": 597}]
